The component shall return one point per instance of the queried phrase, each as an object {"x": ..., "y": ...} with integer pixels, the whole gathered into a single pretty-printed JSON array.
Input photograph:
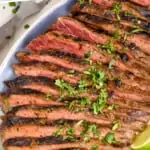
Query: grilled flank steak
[{"x": 85, "y": 83}]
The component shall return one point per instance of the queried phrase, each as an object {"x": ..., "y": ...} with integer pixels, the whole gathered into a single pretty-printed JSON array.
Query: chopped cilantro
[
  {"x": 116, "y": 125},
  {"x": 87, "y": 57},
  {"x": 116, "y": 35},
  {"x": 85, "y": 101},
  {"x": 88, "y": 54},
  {"x": 101, "y": 102},
  {"x": 125, "y": 36},
  {"x": 94, "y": 147},
  {"x": 137, "y": 30},
  {"x": 12, "y": 4},
  {"x": 59, "y": 132},
  {"x": 70, "y": 131},
  {"x": 82, "y": 85},
  {"x": 112, "y": 107},
  {"x": 26, "y": 26},
  {"x": 125, "y": 48},
  {"x": 6, "y": 102},
  {"x": 83, "y": 1},
  {"x": 96, "y": 76},
  {"x": 117, "y": 9},
  {"x": 109, "y": 47},
  {"x": 48, "y": 96},
  {"x": 65, "y": 87},
  {"x": 110, "y": 139},
  {"x": 111, "y": 64},
  {"x": 88, "y": 129},
  {"x": 15, "y": 10},
  {"x": 79, "y": 104},
  {"x": 71, "y": 71}
]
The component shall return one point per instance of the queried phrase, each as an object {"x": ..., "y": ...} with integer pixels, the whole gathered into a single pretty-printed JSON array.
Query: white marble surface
[{"x": 20, "y": 29}]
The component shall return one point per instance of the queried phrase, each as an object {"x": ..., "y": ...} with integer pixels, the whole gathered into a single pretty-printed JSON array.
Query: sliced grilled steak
[
  {"x": 23, "y": 80},
  {"x": 43, "y": 71},
  {"x": 26, "y": 131},
  {"x": 84, "y": 49},
  {"x": 125, "y": 7},
  {"x": 145, "y": 3},
  {"x": 77, "y": 145},
  {"x": 104, "y": 121},
  {"x": 78, "y": 79},
  {"x": 53, "y": 41},
  {"x": 62, "y": 114},
  {"x": 126, "y": 20},
  {"x": 24, "y": 57},
  {"x": 75, "y": 28},
  {"x": 111, "y": 28},
  {"x": 22, "y": 100}
]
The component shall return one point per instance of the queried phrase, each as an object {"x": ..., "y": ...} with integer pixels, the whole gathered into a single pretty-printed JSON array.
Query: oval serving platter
[{"x": 61, "y": 8}]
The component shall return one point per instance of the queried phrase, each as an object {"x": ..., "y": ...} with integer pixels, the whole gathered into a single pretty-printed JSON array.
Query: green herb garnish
[
  {"x": 26, "y": 26},
  {"x": 116, "y": 35},
  {"x": 116, "y": 125},
  {"x": 65, "y": 87},
  {"x": 59, "y": 132},
  {"x": 96, "y": 76},
  {"x": 82, "y": 85},
  {"x": 95, "y": 147},
  {"x": 48, "y": 96},
  {"x": 15, "y": 10},
  {"x": 12, "y": 4},
  {"x": 117, "y": 9},
  {"x": 88, "y": 129},
  {"x": 81, "y": 2},
  {"x": 6, "y": 102},
  {"x": 110, "y": 139},
  {"x": 111, "y": 64},
  {"x": 137, "y": 30},
  {"x": 109, "y": 47},
  {"x": 101, "y": 102},
  {"x": 112, "y": 107}
]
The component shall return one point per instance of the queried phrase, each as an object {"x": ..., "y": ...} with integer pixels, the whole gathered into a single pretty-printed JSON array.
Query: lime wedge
[{"x": 142, "y": 141}]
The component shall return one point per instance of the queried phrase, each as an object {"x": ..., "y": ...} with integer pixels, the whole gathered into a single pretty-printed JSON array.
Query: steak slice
[
  {"x": 22, "y": 100},
  {"x": 84, "y": 49},
  {"x": 24, "y": 57},
  {"x": 75, "y": 28},
  {"x": 62, "y": 114},
  {"x": 126, "y": 20},
  {"x": 70, "y": 146},
  {"x": 134, "y": 122},
  {"x": 43, "y": 71},
  {"x": 53, "y": 40},
  {"x": 26, "y": 131},
  {"x": 125, "y": 6},
  {"x": 24, "y": 80},
  {"x": 111, "y": 28},
  {"x": 145, "y": 3}
]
